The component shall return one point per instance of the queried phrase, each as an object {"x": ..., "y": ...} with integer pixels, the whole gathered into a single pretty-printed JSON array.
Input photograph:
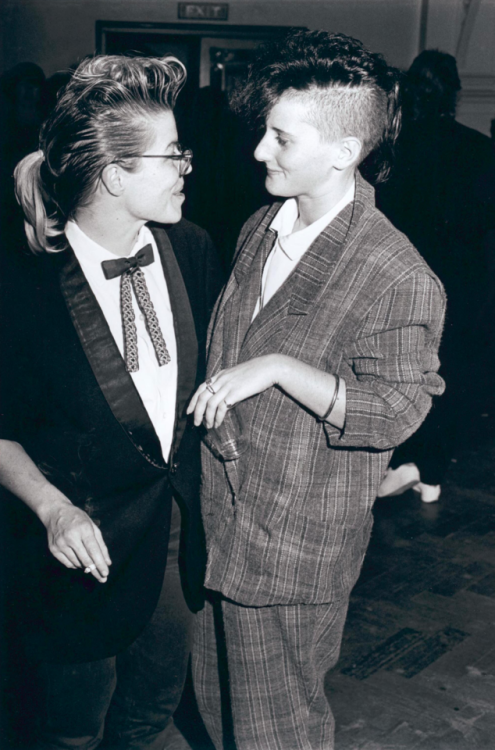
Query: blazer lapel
[
  {"x": 106, "y": 361},
  {"x": 185, "y": 330},
  {"x": 310, "y": 277}
]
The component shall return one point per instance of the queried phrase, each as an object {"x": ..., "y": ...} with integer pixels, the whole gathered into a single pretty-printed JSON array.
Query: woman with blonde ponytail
[
  {"x": 102, "y": 357},
  {"x": 40, "y": 228}
]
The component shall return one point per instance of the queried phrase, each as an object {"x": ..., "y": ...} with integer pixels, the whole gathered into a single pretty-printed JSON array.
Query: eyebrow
[{"x": 280, "y": 131}]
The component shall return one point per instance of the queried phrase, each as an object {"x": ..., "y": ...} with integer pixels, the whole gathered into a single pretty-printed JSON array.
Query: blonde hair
[{"x": 101, "y": 116}]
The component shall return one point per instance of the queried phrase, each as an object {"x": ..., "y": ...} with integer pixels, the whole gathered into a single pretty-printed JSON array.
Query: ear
[
  {"x": 348, "y": 152},
  {"x": 113, "y": 178}
]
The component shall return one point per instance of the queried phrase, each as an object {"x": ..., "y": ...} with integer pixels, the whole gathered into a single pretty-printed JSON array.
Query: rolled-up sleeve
[{"x": 392, "y": 366}]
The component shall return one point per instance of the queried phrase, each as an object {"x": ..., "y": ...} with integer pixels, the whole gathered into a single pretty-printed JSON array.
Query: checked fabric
[{"x": 132, "y": 278}]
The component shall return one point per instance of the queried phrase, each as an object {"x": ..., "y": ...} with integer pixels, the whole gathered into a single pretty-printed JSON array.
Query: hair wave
[{"x": 101, "y": 117}]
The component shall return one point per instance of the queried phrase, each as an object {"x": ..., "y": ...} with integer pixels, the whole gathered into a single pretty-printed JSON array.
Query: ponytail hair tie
[{"x": 41, "y": 154}]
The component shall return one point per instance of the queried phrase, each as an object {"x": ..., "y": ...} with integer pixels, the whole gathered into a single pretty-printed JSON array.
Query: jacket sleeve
[{"x": 391, "y": 366}]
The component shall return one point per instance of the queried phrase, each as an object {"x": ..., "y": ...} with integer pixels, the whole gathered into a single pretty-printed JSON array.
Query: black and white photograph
[{"x": 247, "y": 390}]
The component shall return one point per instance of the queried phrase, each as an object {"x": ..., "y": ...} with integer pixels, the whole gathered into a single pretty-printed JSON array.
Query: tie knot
[{"x": 114, "y": 268}]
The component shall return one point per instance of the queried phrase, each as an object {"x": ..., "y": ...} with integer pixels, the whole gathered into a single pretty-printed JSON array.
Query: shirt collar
[
  {"x": 295, "y": 244},
  {"x": 90, "y": 254}
]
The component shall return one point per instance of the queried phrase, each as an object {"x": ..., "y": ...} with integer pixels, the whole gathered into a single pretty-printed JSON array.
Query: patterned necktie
[{"x": 131, "y": 277}]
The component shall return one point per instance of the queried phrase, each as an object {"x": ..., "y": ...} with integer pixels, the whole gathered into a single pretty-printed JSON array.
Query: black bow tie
[{"x": 114, "y": 268}]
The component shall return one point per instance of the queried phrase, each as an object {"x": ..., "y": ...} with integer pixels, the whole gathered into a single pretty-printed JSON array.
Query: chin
[
  {"x": 171, "y": 216},
  {"x": 277, "y": 187}
]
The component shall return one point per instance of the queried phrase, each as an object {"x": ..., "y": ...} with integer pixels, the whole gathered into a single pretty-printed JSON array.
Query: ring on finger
[
  {"x": 209, "y": 386},
  {"x": 229, "y": 406},
  {"x": 90, "y": 568}
]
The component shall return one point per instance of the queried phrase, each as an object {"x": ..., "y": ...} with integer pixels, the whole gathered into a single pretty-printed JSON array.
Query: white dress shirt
[
  {"x": 290, "y": 246},
  {"x": 157, "y": 386}
]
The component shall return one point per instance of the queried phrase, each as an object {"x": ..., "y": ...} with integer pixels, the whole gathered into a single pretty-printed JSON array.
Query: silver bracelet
[{"x": 334, "y": 399}]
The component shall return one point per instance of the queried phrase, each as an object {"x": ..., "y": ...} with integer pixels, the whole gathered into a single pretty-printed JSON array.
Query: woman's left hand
[{"x": 214, "y": 398}]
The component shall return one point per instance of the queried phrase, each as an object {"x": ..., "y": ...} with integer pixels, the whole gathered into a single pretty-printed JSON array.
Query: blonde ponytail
[{"x": 41, "y": 229}]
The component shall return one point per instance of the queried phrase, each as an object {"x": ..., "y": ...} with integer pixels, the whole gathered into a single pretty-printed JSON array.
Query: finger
[
  {"x": 63, "y": 559},
  {"x": 94, "y": 552},
  {"x": 222, "y": 410},
  {"x": 211, "y": 410},
  {"x": 102, "y": 545},
  {"x": 86, "y": 558},
  {"x": 93, "y": 570},
  {"x": 193, "y": 401},
  {"x": 61, "y": 548},
  {"x": 201, "y": 406}
]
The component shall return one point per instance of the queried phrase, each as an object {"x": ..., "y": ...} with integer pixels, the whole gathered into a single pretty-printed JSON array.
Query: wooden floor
[{"x": 417, "y": 668}]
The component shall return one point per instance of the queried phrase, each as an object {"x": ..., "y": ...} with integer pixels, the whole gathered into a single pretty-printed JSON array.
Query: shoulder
[
  {"x": 388, "y": 257},
  {"x": 184, "y": 234}
]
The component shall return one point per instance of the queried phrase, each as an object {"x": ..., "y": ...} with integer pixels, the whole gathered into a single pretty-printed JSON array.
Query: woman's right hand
[{"x": 74, "y": 539}]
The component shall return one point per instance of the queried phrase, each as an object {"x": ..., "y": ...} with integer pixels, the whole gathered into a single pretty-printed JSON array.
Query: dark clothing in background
[
  {"x": 441, "y": 194},
  {"x": 227, "y": 184}
]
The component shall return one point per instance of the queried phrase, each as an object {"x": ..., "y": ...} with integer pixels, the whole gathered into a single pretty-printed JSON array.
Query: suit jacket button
[{"x": 174, "y": 468}]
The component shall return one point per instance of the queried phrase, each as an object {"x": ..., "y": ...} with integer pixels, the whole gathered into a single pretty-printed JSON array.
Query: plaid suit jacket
[{"x": 289, "y": 521}]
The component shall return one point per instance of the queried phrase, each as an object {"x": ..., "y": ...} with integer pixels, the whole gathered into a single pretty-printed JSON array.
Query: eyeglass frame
[{"x": 185, "y": 156}]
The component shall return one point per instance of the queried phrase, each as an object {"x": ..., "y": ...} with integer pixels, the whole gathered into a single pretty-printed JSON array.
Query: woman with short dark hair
[{"x": 322, "y": 358}]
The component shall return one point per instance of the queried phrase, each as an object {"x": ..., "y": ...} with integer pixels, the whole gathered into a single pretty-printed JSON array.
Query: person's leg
[
  {"x": 152, "y": 671},
  {"x": 277, "y": 660},
  {"x": 76, "y": 698},
  {"x": 210, "y": 674}
]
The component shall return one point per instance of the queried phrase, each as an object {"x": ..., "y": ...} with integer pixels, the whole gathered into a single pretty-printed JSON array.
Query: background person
[
  {"x": 103, "y": 350},
  {"x": 441, "y": 194},
  {"x": 322, "y": 359}
]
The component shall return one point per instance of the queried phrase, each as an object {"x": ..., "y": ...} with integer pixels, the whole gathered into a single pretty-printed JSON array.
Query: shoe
[
  {"x": 429, "y": 492},
  {"x": 397, "y": 481}
]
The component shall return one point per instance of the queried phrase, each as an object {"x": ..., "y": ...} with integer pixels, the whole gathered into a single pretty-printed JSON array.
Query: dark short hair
[
  {"x": 433, "y": 84},
  {"x": 352, "y": 91}
]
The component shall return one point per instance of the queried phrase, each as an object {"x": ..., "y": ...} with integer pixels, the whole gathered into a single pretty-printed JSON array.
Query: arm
[
  {"x": 393, "y": 365},
  {"x": 392, "y": 373},
  {"x": 73, "y": 538},
  {"x": 312, "y": 388}
]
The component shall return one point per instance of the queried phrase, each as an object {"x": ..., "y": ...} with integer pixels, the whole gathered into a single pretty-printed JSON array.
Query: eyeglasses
[{"x": 184, "y": 159}]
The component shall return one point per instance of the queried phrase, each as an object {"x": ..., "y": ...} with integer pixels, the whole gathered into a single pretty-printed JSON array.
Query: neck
[
  {"x": 113, "y": 231},
  {"x": 313, "y": 207}
]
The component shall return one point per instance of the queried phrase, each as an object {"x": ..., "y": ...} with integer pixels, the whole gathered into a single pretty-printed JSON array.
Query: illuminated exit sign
[{"x": 204, "y": 11}]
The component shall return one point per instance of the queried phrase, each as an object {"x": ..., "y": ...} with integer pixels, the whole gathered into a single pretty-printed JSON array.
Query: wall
[
  {"x": 56, "y": 33},
  {"x": 466, "y": 29}
]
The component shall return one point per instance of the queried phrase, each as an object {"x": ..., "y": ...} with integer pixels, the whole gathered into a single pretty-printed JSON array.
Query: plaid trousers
[{"x": 259, "y": 673}]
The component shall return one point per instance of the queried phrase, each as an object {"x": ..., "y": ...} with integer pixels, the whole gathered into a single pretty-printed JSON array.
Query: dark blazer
[
  {"x": 71, "y": 404},
  {"x": 288, "y": 522}
]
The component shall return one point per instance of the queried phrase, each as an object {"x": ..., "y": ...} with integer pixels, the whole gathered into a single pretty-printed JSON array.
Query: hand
[
  {"x": 75, "y": 540},
  {"x": 231, "y": 386}
]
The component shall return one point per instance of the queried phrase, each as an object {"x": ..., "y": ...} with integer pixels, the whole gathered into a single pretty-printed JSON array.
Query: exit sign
[{"x": 204, "y": 11}]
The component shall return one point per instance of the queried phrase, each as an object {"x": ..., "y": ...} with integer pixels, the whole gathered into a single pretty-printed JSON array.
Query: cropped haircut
[
  {"x": 349, "y": 91},
  {"x": 101, "y": 116}
]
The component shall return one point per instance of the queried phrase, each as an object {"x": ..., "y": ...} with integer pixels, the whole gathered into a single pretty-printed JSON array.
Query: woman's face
[
  {"x": 154, "y": 190},
  {"x": 299, "y": 161}
]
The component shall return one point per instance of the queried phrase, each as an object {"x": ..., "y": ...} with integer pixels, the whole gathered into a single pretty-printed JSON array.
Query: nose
[{"x": 262, "y": 151}]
